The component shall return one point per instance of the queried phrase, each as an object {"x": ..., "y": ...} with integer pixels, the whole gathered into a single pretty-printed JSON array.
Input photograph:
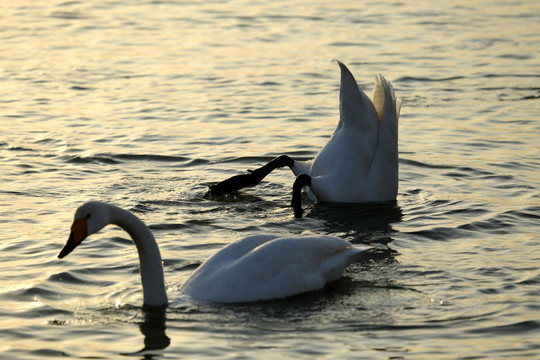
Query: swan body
[
  {"x": 264, "y": 267},
  {"x": 255, "y": 268},
  {"x": 360, "y": 161}
]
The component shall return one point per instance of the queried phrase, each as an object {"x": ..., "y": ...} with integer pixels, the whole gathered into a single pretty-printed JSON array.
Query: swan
[
  {"x": 260, "y": 267},
  {"x": 360, "y": 161}
]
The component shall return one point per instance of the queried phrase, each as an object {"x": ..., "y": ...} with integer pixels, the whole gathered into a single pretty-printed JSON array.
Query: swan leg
[
  {"x": 254, "y": 177},
  {"x": 296, "y": 202}
]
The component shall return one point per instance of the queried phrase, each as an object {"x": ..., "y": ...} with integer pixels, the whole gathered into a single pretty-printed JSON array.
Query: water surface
[{"x": 146, "y": 104}]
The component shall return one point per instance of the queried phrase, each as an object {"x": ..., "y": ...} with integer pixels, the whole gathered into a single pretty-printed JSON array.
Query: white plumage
[
  {"x": 360, "y": 161},
  {"x": 266, "y": 267}
]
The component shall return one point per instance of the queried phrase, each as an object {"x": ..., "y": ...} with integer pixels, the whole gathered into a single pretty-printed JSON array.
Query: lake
[{"x": 145, "y": 104}]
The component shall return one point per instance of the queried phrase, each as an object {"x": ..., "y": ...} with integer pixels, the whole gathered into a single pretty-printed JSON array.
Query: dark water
[{"x": 144, "y": 105}]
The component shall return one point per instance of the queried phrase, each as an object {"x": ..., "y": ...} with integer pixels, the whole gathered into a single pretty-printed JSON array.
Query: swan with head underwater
[
  {"x": 260, "y": 267},
  {"x": 359, "y": 164}
]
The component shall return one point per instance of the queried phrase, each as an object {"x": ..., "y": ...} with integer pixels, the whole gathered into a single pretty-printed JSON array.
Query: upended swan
[
  {"x": 261, "y": 267},
  {"x": 360, "y": 161}
]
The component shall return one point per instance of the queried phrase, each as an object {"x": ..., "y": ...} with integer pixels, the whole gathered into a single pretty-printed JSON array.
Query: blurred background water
[{"x": 144, "y": 104}]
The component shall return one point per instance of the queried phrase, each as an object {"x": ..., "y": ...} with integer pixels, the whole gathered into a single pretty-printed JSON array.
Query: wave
[{"x": 122, "y": 158}]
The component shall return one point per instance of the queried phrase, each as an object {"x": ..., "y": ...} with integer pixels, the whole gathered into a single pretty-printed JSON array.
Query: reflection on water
[
  {"x": 358, "y": 219},
  {"x": 153, "y": 329}
]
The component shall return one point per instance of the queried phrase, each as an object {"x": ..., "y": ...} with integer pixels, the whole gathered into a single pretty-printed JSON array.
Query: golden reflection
[{"x": 211, "y": 84}]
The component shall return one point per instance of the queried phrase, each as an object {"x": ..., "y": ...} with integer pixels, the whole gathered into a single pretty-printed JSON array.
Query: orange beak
[{"x": 77, "y": 235}]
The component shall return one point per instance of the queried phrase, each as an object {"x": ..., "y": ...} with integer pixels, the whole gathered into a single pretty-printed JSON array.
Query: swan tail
[
  {"x": 390, "y": 114},
  {"x": 378, "y": 96},
  {"x": 384, "y": 99},
  {"x": 384, "y": 169},
  {"x": 355, "y": 107}
]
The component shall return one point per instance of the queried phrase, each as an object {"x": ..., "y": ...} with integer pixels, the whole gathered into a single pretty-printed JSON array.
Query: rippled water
[{"x": 145, "y": 104}]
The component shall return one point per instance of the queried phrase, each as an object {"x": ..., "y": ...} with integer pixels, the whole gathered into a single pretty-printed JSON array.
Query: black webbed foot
[
  {"x": 252, "y": 178},
  {"x": 296, "y": 202},
  {"x": 234, "y": 183}
]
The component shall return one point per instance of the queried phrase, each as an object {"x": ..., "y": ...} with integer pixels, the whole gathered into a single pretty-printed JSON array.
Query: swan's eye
[{"x": 88, "y": 216}]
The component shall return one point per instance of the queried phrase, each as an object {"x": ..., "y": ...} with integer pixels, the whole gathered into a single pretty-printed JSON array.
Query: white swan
[
  {"x": 360, "y": 161},
  {"x": 254, "y": 268}
]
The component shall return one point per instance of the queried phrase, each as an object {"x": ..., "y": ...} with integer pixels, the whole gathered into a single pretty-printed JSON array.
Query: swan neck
[{"x": 151, "y": 268}]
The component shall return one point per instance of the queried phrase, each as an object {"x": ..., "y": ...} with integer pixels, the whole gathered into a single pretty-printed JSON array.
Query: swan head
[{"x": 89, "y": 219}]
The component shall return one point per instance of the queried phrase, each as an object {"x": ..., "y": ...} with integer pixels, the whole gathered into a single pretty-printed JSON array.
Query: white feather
[{"x": 360, "y": 161}]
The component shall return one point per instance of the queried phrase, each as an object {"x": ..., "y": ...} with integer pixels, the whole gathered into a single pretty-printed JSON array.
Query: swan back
[{"x": 269, "y": 267}]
